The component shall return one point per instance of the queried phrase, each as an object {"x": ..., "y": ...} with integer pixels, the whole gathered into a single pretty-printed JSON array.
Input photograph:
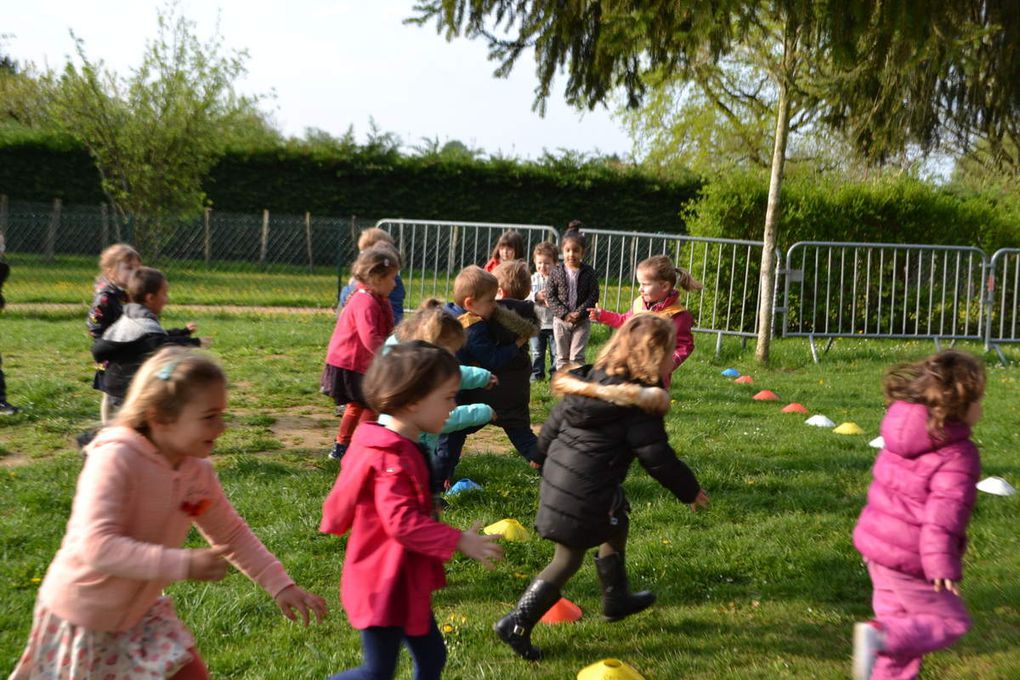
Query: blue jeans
[
  {"x": 450, "y": 446},
  {"x": 539, "y": 344},
  {"x": 381, "y": 646}
]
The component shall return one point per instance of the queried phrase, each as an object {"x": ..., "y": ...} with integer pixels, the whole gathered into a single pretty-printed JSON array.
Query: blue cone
[
  {"x": 463, "y": 485},
  {"x": 731, "y": 373}
]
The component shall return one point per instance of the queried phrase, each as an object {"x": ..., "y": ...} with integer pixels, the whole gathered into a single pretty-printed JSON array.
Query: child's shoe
[
  {"x": 338, "y": 451},
  {"x": 867, "y": 644},
  {"x": 7, "y": 409}
]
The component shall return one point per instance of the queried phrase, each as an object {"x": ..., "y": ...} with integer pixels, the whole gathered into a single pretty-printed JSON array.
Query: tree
[
  {"x": 155, "y": 135},
  {"x": 893, "y": 74}
]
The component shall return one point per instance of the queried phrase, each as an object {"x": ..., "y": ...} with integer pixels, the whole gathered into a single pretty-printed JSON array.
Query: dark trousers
[
  {"x": 381, "y": 646},
  {"x": 451, "y": 445},
  {"x": 539, "y": 345}
]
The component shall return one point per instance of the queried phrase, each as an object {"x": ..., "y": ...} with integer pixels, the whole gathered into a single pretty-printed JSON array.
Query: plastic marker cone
[
  {"x": 463, "y": 485},
  {"x": 509, "y": 529},
  {"x": 563, "y": 611},
  {"x": 849, "y": 428},
  {"x": 731, "y": 372},
  {"x": 744, "y": 380},
  {"x": 819, "y": 421},
  {"x": 877, "y": 443},
  {"x": 609, "y": 669},
  {"x": 794, "y": 408},
  {"x": 766, "y": 395},
  {"x": 996, "y": 485}
]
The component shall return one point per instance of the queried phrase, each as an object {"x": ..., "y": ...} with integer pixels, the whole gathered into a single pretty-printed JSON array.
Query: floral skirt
[{"x": 156, "y": 647}]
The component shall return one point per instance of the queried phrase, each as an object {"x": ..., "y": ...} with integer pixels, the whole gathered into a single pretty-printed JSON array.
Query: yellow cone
[
  {"x": 609, "y": 669},
  {"x": 509, "y": 529},
  {"x": 849, "y": 428}
]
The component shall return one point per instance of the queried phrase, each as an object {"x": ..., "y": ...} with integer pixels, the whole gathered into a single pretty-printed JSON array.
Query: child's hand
[
  {"x": 521, "y": 342},
  {"x": 700, "y": 502},
  {"x": 572, "y": 317},
  {"x": 534, "y": 465},
  {"x": 207, "y": 564},
  {"x": 191, "y": 326},
  {"x": 480, "y": 547},
  {"x": 946, "y": 584},
  {"x": 205, "y": 342},
  {"x": 493, "y": 381},
  {"x": 292, "y": 597},
  {"x": 540, "y": 297},
  {"x": 594, "y": 312}
]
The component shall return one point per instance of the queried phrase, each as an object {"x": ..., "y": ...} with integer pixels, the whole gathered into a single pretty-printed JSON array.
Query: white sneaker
[{"x": 867, "y": 643}]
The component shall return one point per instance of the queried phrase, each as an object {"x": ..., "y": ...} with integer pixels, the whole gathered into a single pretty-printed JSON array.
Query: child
[
  {"x": 116, "y": 263},
  {"x": 545, "y": 259},
  {"x": 368, "y": 239},
  {"x": 100, "y": 611},
  {"x": 658, "y": 280},
  {"x": 136, "y": 334},
  {"x": 510, "y": 246},
  {"x": 360, "y": 331},
  {"x": 572, "y": 289},
  {"x": 431, "y": 324},
  {"x": 913, "y": 531},
  {"x": 394, "y": 556},
  {"x": 6, "y": 409},
  {"x": 494, "y": 339},
  {"x": 611, "y": 413}
]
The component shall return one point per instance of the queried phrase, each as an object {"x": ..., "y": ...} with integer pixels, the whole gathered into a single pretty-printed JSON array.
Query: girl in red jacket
[
  {"x": 394, "y": 556},
  {"x": 913, "y": 530},
  {"x": 509, "y": 247},
  {"x": 361, "y": 329},
  {"x": 658, "y": 281}
]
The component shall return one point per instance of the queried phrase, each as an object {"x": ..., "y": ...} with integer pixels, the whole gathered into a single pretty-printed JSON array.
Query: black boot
[
  {"x": 617, "y": 600},
  {"x": 515, "y": 628}
]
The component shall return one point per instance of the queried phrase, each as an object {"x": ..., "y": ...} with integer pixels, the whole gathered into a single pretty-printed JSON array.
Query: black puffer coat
[{"x": 588, "y": 445}]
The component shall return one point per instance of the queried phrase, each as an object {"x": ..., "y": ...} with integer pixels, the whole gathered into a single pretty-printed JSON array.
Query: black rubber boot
[
  {"x": 515, "y": 628},
  {"x": 617, "y": 600}
]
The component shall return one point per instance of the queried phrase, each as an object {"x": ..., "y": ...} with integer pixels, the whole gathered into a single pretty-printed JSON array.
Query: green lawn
[{"x": 764, "y": 584}]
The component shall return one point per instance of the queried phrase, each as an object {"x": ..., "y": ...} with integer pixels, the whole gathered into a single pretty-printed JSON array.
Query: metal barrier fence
[
  {"x": 434, "y": 251},
  {"x": 884, "y": 290},
  {"x": 1003, "y": 300}
]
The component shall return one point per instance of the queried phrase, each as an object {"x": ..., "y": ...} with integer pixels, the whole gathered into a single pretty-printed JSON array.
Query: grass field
[{"x": 764, "y": 584}]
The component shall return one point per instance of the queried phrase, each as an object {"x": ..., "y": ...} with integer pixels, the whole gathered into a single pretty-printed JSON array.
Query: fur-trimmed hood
[
  {"x": 514, "y": 322},
  {"x": 654, "y": 400}
]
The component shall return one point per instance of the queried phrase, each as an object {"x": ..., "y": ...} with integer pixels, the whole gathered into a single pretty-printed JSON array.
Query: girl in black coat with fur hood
[{"x": 611, "y": 413}]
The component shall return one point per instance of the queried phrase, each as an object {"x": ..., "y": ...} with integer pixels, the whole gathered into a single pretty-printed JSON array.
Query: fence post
[
  {"x": 116, "y": 226},
  {"x": 265, "y": 237},
  {"x": 207, "y": 243},
  {"x": 3, "y": 220},
  {"x": 308, "y": 238},
  {"x": 104, "y": 220},
  {"x": 51, "y": 233}
]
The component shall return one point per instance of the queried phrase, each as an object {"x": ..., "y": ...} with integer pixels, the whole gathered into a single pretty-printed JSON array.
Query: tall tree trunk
[{"x": 768, "y": 260}]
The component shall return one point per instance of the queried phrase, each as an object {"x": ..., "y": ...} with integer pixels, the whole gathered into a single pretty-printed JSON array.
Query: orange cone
[
  {"x": 563, "y": 611},
  {"x": 744, "y": 380},
  {"x": 794, "y": 408},
  {"x": 766, "y": 395}
]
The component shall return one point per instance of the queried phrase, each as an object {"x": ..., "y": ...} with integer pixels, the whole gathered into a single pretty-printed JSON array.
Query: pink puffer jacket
[{"x": 921, "y": 496}]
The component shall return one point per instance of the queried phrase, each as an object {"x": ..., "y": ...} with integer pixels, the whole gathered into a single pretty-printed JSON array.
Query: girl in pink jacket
[
  {"x": 361, "y": 329},
  {"x": 913, "y": 531},
  {"x": 394, "y": 556},
  {"x": 658, "y": 281},
  {"x": 100, "y": 612}
]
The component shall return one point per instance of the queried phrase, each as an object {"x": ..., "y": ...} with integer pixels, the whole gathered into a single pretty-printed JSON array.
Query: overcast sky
[{"x": 333, "y": 63}]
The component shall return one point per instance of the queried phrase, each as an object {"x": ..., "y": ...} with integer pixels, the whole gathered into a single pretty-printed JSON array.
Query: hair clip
[
  {"x": 167, "y": 371},
  {"x": 386, "y": 262}
]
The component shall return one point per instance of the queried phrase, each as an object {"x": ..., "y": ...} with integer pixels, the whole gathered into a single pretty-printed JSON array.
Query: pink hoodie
[
  {"x": 131, "y": 513},
  {"x": 921, "y": 497}
]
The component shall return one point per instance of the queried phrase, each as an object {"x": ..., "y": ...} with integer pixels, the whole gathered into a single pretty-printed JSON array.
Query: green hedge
[
  {"x": 892, "y": 209},
  {"x": 291, "y": 179}
]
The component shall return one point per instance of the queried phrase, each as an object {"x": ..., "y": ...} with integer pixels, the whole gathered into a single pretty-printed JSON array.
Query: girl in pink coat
[
  {"x": 913, "y": 531},
  {"x": 101, "y": 612},
  {"x": 658, "y": 281},
  {"x": 394, "y": 556}
]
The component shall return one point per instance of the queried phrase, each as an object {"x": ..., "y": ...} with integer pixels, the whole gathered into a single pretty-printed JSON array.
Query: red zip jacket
[
  {"x": 361, "y": 329},
  {"x": 395, "y": 554}
]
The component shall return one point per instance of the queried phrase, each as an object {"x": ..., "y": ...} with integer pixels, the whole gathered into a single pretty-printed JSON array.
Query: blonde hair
[
  {"x": 514, "y": 278},
  {"x": 374, "y": 236},
  {"x": 164, "y": 384},
  {"x": 473, "y": 282},
  {"x": 662, "y": 269},
  {"x": 115, "y": 254},
  {"x": 407, "y": 374},
  {"x": 947, "y": 383},
  {"x": 513, "y": 239},
  {"x": 431, "y": 324},
  {"x": 376, "y": 262},
  {"x": 638, "y": 348}
]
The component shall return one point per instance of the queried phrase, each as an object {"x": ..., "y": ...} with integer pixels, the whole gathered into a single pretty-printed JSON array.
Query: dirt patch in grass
[{"x": 305, "y": 431}]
